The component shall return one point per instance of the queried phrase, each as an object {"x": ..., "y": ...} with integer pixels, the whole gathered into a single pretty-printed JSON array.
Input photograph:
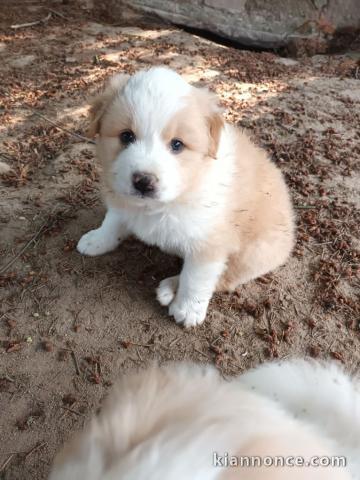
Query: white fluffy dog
[
  {"x": 176, "y": 176},
  {"x": 183, "y": 421}
]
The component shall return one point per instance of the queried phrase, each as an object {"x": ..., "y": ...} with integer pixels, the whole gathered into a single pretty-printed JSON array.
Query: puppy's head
[{"x": 156, "y": 134}]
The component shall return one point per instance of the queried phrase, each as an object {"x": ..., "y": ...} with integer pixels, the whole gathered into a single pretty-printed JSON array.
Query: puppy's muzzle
[{"x": 145, "y": 183}]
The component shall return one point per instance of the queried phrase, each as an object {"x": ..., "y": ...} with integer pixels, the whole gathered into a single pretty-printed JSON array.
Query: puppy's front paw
[
  {"x": 166, "y": 290},
  {"x": 189, "y": 312},
  {"x": 96, "y": 242}
]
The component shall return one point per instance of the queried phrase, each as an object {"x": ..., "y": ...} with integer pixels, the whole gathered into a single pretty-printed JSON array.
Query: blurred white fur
[{"x": 167, "y": 422}]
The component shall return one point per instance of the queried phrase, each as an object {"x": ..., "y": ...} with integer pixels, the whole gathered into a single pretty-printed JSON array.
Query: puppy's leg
[
  {"x": 258, "y": 258},
  {"x": 165, "y": 293},
  {"x": 106, "y": 238},
  {"x": 197, "y": 283}
]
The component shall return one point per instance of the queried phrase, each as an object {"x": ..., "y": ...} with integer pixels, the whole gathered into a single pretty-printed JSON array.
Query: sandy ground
[{"x": 69, "y": 325}]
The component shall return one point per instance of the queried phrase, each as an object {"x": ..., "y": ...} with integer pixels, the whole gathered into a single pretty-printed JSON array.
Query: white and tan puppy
[
  {"x": 176, "y": 176},
  {"x": 185, "y": 422}
]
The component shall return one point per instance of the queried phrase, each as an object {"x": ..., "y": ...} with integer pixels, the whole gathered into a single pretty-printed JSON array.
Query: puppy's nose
[{"x": 145, "y": 183}]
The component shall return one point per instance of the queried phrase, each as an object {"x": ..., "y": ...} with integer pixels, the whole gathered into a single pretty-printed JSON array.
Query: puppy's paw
[
  {"x": 96, "y": 242},
  {"x": 165, "y": 293},
  {"x": 189, "y": 312}
]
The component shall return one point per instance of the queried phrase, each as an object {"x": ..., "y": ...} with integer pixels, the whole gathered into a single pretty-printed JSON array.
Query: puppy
[
  {"x": 176, "y": 176},
  {"x": 183, "y": 421}
]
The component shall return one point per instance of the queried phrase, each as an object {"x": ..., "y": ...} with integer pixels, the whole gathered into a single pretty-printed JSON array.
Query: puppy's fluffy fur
[
  {"x": 166, "y": 423},
  {"x": 218, "y": 202}
]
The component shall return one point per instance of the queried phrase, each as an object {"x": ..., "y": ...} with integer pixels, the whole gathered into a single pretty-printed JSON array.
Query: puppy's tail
[{"x": 320, "y": 394}]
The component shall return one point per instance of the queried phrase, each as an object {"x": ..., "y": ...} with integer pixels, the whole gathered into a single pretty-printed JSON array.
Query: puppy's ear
[
  {"x": 100, "y": 102},
  {"x": 213, "y": 113},
  {"x": 216, "y": 123}
]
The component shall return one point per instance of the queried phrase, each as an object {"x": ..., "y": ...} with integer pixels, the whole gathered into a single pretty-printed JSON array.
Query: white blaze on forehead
[{"x": 153, "y": 97}]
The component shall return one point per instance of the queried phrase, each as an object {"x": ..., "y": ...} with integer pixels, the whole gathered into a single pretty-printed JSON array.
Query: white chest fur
[{"x": 177, "y": 229}]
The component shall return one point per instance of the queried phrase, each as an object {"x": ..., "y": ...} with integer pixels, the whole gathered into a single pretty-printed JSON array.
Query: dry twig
[
  {"x": 61, "y": 15},
  {"x": 25, "y": 247},
  {"x": 69, "y": 132},
  {"x": 75, "y": 362},
  {"x": 6, "y": 463},
  {"x": 35, "y": 448},
  {"x": 31, "y": 24},
  {"x": 72, "y": 411}
]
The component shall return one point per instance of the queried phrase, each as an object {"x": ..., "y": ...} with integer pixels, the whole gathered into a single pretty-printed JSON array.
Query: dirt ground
[{"x": 69, "y": 325}]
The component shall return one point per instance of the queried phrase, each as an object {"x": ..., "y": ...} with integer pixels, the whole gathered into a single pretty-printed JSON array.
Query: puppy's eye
[
  {"x": 127, "y": 137},
  {"x": 176, "y": 145}
]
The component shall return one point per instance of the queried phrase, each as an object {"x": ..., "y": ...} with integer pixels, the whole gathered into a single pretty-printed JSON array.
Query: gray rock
[{"x": 259, "y": 23}]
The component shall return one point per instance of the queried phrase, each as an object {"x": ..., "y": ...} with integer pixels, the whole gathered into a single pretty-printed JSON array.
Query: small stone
[
  {"x": 69, "y": 399},
  {"x": 48, "y": 346},
  {"x": 288, "y": 62},
  {"x": 4, "y": 168},
  {"x": 11, "y": 323},
  {"x": 62, "y": 355},
  {"x": 22, "y": 61},
  {"x": 314, "y": 351}
]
